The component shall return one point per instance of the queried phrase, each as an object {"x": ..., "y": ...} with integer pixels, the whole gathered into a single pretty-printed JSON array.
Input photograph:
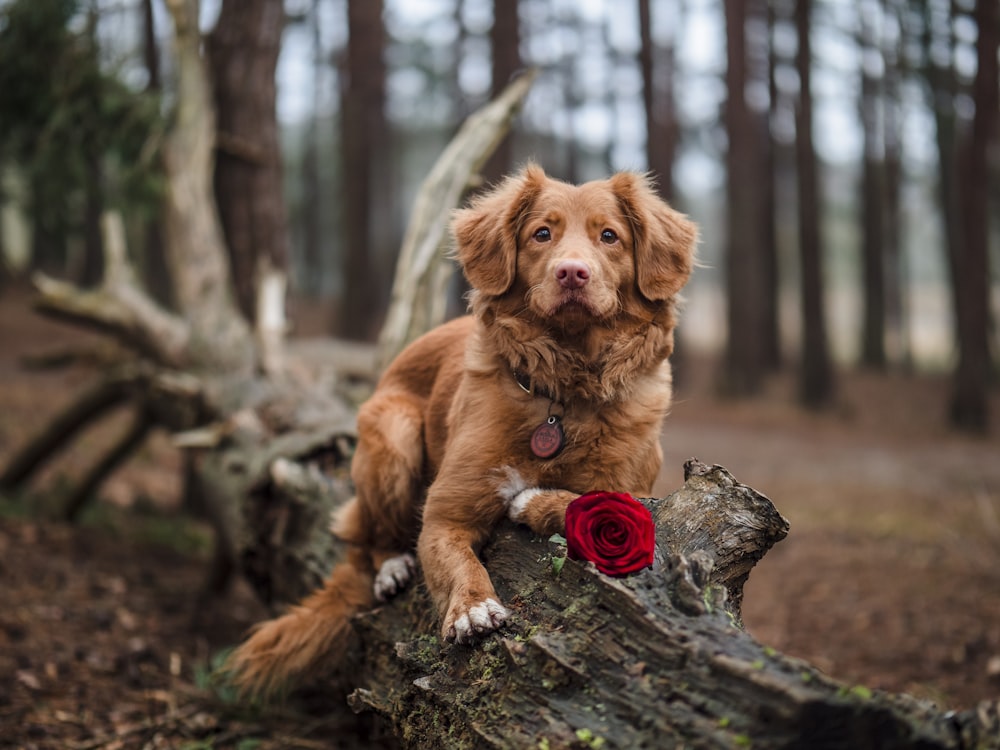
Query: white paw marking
[
  {"x": 517, "y": 506},
  {"x": 514, "y": 483},
  {"x": 481, "y": 618},
  {"x": 394, "y": 575},
  {"x": 515, "y": 493}
]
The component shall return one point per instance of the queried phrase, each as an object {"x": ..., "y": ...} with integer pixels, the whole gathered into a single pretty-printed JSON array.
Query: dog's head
[{"x": 574, "y": 253}]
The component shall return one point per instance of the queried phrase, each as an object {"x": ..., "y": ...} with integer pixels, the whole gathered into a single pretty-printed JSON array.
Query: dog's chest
[{"x": 604, "y": 449}]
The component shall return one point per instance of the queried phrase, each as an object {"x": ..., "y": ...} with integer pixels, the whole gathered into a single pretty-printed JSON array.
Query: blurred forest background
[{"x": 840, "y": 157}]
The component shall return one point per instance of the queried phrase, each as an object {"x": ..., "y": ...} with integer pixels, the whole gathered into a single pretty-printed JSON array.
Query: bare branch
[
  {"x": 126, "y": 445},
  {"x": 90, "y": 405},
  {"x": 119, "y": 306}
]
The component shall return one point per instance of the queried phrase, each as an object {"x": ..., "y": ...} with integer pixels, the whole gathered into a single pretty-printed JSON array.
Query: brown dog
[{"x": 557, "y": 384}]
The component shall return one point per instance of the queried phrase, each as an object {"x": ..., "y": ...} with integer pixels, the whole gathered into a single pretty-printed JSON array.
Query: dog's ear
[
  {"x": 663, "y": 239},
  {"x": 486, "y": 233}
]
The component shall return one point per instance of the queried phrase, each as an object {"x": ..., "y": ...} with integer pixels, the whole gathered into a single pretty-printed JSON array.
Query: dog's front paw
[
  {"x": 465, "y": 623},
  {"x": 515, "y": 493},
  {"x": 394, "y": 575}
]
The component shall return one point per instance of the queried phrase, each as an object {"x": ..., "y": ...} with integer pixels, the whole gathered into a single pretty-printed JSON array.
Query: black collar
[{"x": 523, "y": 381}]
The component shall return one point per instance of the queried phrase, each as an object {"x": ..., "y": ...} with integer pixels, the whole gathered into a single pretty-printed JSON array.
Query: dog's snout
[{"x": 572, "y": 274}]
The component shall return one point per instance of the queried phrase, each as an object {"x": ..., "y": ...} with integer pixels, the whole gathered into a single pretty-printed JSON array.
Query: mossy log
[{"x": 654, "y": 660}]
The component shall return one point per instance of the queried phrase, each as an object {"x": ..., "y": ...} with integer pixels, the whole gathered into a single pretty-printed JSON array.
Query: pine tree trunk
[
  {"x": 816, "y": 378},
  {"x": 746, "y": 285}
]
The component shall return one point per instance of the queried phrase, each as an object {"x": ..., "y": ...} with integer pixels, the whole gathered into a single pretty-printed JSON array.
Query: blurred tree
[
  {"x": 963, "y": 181},
  {"x": 816, "y": 376},
  {"x": 81, "y": 136},
  {"x": 770, "y": 323},
  {"x": 658, "y": 66},
  {"x": 364, "y": 136},
  {"x": 746, "y": 279},
  {"x": 505, "y": 45},
  {"x": 970, "y": 259},
  {"x": 873, "y": 256},
  {"x": 154, "y": 265},
  {"x": 312, "y": 194},
  {"x": 892, "y": 146},
  {"x": 243, "y": 56}
]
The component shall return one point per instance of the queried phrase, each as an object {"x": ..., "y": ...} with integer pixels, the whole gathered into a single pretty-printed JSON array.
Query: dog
[{"x": 556, "y": 384}]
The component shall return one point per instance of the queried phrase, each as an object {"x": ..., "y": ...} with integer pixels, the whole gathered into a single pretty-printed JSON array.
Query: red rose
[{"x": 612, "y": 530}]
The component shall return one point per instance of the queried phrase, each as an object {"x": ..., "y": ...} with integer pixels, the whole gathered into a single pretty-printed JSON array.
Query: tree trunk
[
  {"x": 662, "y": 128},
  {"x": 363, "y": 134},
  {"x": 971, "y": 283},
  {"x": 816, "y": 378},
  {"x": 897, "y": 323},
  {"x": 243, "y": 55},
  {"x": 155, "y": 274},
  {"x": 745, "y": 274},
  {"x": 313, "y": 208},
  {"x": 771, "y": 317},
  {"x": 873, "y": 264},
  {"x": 195, "y": 247},
  {"x": 505, "y": 43}
]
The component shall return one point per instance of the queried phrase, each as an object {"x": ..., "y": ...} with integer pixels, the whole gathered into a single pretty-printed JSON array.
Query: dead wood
[
  {"x": 93, "y": 403},
  {"x": 127, "y": 443},
  {"x": 654, "y": 660}
]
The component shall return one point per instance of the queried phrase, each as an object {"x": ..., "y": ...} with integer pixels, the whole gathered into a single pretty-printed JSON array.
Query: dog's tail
[{"x": 307, "y": 641}]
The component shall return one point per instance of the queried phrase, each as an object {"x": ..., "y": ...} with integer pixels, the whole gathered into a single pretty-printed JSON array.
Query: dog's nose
[{"x": 572, "y": 274}]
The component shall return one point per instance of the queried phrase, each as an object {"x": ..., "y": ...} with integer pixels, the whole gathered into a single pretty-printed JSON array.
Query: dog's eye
[
  {"x": 608, "y": 237},
  {"x": 542, "y": 235}
]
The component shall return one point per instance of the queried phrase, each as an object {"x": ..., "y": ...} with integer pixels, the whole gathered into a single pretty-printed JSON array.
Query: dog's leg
[
  {"x": 457, "y": 581},
  {"x": 388, "y": 473}
]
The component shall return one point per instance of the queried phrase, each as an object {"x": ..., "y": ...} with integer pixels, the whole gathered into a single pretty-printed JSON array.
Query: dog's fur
[{"x": 574, "y": 292}]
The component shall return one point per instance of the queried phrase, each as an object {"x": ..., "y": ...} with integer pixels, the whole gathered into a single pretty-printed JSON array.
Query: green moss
[{"x": 590, "y": 739}]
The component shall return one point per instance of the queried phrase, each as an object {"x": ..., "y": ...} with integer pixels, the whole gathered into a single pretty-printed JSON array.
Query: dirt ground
[{"x": 890, "y": 576}]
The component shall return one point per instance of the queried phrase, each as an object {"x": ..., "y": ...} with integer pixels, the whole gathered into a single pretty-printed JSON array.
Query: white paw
[
  {"x": 515, "y": 493},
  {"x": 481, "y": 618},
  {"x": 517, "y": 506},
  {"x": 394, "y": 575}
]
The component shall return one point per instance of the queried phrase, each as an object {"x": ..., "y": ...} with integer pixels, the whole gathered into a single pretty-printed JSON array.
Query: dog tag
[{"x": 548, "y": 438}]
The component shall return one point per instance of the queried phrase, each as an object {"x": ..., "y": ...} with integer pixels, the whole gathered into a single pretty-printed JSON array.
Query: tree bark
[
  {"x": 970, "y": 265},
  {"x": 816, "y": 375},
  {"x": 505, "y": 55},
  {"x": 363, "y": 134},
  {"x": 746, "y": 285},
  {"x": 243, "y": 55},
  {"x": 871, "y": 105},
  {"x": 662, "y": 129},
  {"x": 195, "y": 247}
]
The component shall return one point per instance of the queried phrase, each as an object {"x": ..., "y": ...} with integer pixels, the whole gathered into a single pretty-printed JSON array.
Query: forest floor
[{"x": 889, "y": 577}]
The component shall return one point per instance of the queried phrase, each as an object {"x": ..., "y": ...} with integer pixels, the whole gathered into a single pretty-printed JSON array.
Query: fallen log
[{"x": 657, "y": 659}]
